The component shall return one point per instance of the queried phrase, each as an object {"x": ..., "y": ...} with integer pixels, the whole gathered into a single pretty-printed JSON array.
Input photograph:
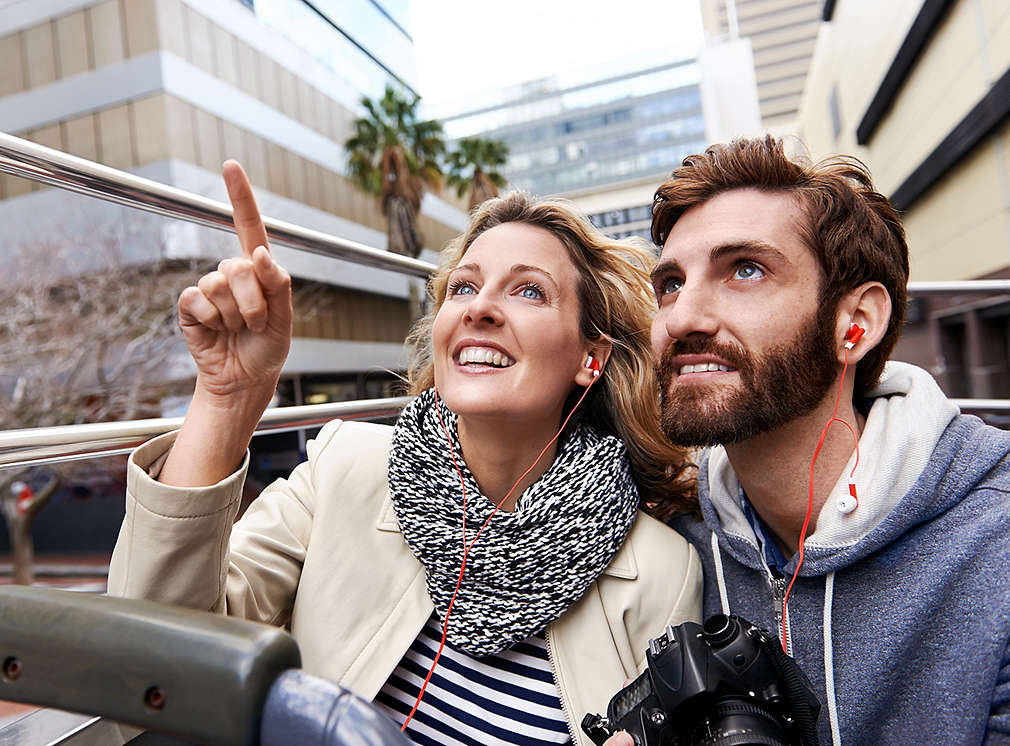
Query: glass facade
[
  {"x": 628, "y": 221},
  {"x": 365, "y": 41},
  {"x": 612, "y": 130}
]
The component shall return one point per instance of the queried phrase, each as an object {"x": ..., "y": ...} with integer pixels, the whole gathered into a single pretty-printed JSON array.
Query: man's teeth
[
  {"x": 482, "y": 355},
  {"x": 702, "y": 368}
]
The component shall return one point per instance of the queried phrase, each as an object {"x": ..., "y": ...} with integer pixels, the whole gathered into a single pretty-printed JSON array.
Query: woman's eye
[
  {"x": 748, "y": 271},
  {"x": 461, "y": 288},
  {"x": 532, "y": 292}
]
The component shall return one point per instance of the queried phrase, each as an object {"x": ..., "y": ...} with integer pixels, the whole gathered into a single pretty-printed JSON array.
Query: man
[{"x": 900, "y": 614}]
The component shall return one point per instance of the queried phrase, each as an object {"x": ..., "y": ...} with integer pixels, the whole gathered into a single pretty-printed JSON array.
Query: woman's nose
[{"x": 484, "y": 308}]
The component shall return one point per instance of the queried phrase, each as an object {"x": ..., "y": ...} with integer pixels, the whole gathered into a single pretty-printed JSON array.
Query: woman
[{"x": 359, "y": 550}]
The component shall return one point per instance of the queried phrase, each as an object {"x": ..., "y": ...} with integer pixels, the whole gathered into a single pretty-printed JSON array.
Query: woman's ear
[
  {"x": 594, "y": 362},
  {"x": 868, "y": 307}
]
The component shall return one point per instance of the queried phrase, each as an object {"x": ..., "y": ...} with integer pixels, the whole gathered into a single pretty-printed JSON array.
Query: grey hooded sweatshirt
[{"x": 900, "y": 615}]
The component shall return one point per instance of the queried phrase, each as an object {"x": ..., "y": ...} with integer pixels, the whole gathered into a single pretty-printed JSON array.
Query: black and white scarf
[{"x": 528, "y": 566}]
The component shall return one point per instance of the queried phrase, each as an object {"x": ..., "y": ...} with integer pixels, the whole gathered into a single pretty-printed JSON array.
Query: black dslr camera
[{"x": 727, "y": 683}]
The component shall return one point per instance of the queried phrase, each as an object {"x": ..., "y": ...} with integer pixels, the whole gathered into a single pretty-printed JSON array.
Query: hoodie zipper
[
  {"x": 561, "y": 697},
  {"x": 778, "y": 584}
]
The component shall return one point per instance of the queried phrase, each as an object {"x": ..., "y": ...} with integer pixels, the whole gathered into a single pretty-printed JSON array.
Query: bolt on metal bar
[
  {"x": 46, "y": 445},
  {"x": 32, "y": 161}
]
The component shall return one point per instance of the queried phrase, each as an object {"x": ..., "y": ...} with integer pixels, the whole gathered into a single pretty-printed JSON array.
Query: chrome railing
[
  {"x": 32, "y": 161},
  {"x": 43, "y": 445},
  {"x": 33, "y": 446}
]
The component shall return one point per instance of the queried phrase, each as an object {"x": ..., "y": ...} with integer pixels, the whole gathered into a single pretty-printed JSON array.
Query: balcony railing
[{"x": 33, "y": 446}]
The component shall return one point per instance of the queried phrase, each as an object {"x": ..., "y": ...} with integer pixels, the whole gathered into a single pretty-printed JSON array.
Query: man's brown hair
[{"x": 852, "y": 229}]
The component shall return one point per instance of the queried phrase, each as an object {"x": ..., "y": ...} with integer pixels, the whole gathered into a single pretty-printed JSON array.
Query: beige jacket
[{"x": 322, "y": 552}]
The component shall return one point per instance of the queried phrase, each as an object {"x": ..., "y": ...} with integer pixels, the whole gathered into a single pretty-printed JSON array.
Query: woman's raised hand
[
  {"x": 237, "y": 325},
  {"x": 237, "y": 320}
]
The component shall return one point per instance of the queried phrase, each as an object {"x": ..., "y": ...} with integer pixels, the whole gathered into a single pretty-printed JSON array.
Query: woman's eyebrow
[{"x": 520, "y": 268}]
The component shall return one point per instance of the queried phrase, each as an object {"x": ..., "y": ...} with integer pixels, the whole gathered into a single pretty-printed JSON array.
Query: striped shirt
[{"x": 509, "y": 698}]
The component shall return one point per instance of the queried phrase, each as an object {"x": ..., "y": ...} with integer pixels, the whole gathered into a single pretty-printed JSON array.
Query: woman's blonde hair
[{"x": 616, "y": 302}]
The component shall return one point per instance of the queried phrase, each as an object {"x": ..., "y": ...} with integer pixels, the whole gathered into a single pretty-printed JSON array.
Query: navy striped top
[{"x": 509, "y": 698}]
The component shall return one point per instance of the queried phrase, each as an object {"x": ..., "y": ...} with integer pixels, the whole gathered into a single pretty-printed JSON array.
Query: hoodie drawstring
[
  {"x": 720, "y": 575},
  {"x": 829, "y": 663}
]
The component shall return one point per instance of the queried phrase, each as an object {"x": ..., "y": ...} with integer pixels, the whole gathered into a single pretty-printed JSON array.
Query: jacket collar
[{"x": 623, "y": 565}]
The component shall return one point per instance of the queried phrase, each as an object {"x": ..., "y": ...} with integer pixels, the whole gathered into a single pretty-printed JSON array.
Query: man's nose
[{"x": 693, "y": 311}]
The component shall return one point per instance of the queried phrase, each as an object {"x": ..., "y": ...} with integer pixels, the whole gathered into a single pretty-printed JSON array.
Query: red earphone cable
[
  {"x": 466, "y": 548},
  {"x": 810, "y": 493}
]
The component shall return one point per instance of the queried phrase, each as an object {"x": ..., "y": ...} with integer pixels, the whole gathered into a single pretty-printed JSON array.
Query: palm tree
[
  {"x": 395, "y": 157},
  {"x": 473, "y": 166}
]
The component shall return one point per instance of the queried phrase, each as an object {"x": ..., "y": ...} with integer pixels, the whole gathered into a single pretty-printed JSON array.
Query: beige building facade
[
  {"x": 920, "y": 91},
  {"x": 168, "y": 89},
  {"x": 782, "y": 34}
]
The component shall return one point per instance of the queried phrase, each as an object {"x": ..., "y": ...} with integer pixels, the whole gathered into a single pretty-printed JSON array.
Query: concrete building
[
  {"x": 168, "y": 89},
  {"x": 605, "y": 138},
  {"x": 920, "y": 91},
  {"x": 782, "y": 34}
]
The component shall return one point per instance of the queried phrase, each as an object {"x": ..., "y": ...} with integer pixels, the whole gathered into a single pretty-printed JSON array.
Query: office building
[
  {"x": 168, "y": 89},
  {"x": 782, "y": 34},
  {"x": 604, "y": 138}
]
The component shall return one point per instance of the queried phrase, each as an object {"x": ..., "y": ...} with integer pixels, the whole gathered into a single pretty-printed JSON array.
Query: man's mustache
[{"x": 733, "y": 355}]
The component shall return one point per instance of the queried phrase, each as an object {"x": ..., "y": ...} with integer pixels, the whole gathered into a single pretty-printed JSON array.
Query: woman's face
[{"x": 506, "y": 340}]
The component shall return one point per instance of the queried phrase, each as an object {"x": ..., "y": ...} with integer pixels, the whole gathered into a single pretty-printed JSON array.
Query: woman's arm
[
  {"x": 173, "y": 549},
  {"x": 237, "y": 326}
]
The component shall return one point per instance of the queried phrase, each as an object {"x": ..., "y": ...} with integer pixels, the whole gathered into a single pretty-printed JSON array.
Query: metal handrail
[
  {"x": 34, "y": 446},
  {"x": 33, "y": 161},
  {"x": 953, "y": 287},
  {"x": 43, "y": 445}
]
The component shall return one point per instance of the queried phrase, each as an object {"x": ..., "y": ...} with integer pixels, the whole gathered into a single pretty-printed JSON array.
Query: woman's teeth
[
  {"x": 484, "y": 356},
  {"x": 702, "y": 368}
]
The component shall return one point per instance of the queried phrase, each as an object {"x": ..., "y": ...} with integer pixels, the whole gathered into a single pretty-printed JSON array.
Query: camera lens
[
  {"x": 734, "y": 722},
  {"x": 720, "y": 629}
]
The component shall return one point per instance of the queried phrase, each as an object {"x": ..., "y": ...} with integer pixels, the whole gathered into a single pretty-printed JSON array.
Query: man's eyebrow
[
  {"x": 665, "y": 267},
  {"x": 754, "y": 248}
]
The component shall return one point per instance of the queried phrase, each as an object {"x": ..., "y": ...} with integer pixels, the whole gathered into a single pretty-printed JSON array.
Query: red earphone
[
  {"x": 853, "y": 335},
  {"x": 594, "y": 365},
  {"x": 846, "y": 504}
]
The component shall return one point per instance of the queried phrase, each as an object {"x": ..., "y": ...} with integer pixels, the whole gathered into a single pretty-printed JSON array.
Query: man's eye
[
  {"x": 748, "y": 271},
  {"x": 671, "y": 285}
]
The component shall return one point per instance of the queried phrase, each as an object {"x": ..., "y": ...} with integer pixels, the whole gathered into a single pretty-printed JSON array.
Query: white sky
[{"x": 469, "y": 46}]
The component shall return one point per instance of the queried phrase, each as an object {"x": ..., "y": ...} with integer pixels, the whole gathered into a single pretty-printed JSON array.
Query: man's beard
[{"x": 787, "y": 382}]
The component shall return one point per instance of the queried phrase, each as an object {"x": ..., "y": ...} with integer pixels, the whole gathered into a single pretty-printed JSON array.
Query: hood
[{"x": 917, "y": 459}]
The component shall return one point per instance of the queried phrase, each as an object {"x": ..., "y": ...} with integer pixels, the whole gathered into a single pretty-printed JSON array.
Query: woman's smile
[{"x": 507, "y": 340}]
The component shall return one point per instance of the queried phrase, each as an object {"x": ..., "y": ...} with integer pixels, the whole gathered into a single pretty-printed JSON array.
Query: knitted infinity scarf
[{"x": 528, "y": 566}]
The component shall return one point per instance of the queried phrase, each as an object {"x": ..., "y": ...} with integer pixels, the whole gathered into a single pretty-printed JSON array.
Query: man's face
[{"x": 741, "y": 343}]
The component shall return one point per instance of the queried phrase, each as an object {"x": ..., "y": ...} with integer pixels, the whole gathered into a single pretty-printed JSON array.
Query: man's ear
[
  {"x": 594, "y": 362},
  {"x": 869, "y": 307}
]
